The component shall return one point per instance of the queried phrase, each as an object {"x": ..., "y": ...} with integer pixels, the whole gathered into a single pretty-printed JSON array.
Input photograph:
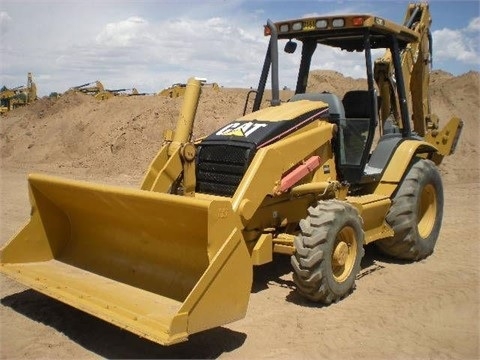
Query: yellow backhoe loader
[
  {"x": 299, "y": 178},
  {"x": 178, "y": 90},
  {"x": 90, "y": 88},
  {"x": 7, "y": 97},
  {"x": 18, "y": 96},
  {"x": 98, "y": 91},
  {"x": 94, "y": 88}
]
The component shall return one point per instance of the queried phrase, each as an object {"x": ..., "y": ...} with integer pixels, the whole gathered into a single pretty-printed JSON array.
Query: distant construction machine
[
  {"x": 98, "y": 91},
  {"x": 178, "y": 89},
  {"x": 18, "y": 96}
]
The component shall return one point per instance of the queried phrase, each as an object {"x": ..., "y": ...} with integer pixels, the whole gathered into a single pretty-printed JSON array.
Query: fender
[{"x": 397, "y": 167}]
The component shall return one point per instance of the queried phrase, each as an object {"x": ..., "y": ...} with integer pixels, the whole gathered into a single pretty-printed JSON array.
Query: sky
[{"x": 151, "y": 45}]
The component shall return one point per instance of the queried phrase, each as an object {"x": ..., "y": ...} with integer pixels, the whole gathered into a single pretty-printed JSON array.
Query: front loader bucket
[{"x": 161, "y": 266}]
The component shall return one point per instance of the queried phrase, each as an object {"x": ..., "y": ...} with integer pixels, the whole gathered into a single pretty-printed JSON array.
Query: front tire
[
  {"x": 328, "y": 251},
  {"x": 416, "y": 214}
]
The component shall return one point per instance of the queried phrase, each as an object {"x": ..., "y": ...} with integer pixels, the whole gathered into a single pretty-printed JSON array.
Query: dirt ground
[{"x": 399, "y": 310}]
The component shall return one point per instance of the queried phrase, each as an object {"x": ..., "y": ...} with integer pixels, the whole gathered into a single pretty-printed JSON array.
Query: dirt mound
[
  {"x": 426, "y": 309},
  {"x": 122, "y": 135},
  {"x": 459, "y": 96},
  {"x": 334, "y": 82},
  {"x": 79, "y": 131},
  {"x": 119, "y": 135}
]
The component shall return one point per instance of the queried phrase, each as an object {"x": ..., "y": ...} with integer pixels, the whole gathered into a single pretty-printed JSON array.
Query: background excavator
[
  {"x": 91, "y": 88},
  {"x": 98, "y": 91},
  {"x": 18, "y": 96},
  {"x": 178, "y": 89},
  {"x": 315, "y": 178}
]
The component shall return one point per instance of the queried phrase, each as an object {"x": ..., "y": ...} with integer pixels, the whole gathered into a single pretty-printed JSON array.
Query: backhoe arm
[{"x": 416, "y": 59}]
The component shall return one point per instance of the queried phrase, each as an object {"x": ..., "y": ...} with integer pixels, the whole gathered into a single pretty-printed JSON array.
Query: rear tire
[
  {"x": 328, "y": 251},
  {"x": 416, "y": 214}
]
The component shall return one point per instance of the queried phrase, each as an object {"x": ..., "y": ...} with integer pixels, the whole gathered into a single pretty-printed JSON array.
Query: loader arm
[{"x": 177, "y": 152}]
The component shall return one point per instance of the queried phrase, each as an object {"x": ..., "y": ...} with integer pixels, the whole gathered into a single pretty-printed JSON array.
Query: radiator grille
[{"x": 221, "y": 167}]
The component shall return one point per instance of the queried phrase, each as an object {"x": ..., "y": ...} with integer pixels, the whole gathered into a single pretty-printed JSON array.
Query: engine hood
[{"x": 268, "y": 125}]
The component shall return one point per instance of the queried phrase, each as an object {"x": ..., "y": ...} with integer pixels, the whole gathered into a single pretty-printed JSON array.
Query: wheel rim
[
  {"x": 427, "y": 211},
  {"x": 344, "y": 254}
]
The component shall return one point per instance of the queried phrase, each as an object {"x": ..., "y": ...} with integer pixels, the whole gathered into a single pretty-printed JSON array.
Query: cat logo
[
  {"x": 234, "y": 132},
  {"x": 240, "y": 129}
]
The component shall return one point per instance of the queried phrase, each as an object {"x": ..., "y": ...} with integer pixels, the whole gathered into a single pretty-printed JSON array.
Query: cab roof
[{"x": 346, "y": 31}]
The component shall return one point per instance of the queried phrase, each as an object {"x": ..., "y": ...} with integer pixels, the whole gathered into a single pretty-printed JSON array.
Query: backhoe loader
[
  {"x": 92, "y": 88},
  {"x": 300, "y": 178},
  {"x": 110, "y": 93},
  {"x": 18, "y": 96},
  {"x": 98, "y": 91},
  {"x": 178, "y": 89}
]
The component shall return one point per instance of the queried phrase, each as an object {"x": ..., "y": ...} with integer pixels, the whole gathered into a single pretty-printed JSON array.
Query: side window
[
  {"x": 357, "y": 104},
  {"x": 355, "y": 134}
]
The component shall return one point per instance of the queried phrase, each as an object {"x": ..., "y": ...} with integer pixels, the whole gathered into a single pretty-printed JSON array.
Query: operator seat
[
  {"x": 357, "y": 104},
  {"x": 335, "y": 106}
]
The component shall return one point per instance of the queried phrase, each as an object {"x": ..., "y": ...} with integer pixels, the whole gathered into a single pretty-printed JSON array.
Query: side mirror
[{"x": 290, "y": 47}]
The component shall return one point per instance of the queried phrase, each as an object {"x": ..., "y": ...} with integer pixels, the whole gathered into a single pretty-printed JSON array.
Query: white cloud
[
  {"x": 458, "y": 44},
  {"x": 474, "y": 25},
  {"x": 153, "y": 55},
  {"x": 135, "y": 44},
  {"x": 123, "y": 33},
  {"x": 5, "y": 21},
  {"x": 343, "y": 11}
]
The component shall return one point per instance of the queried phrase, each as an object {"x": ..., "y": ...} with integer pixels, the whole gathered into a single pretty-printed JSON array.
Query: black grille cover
[
  {"x": 221, "y": 166},
  {"x": 224, "y": 157}
]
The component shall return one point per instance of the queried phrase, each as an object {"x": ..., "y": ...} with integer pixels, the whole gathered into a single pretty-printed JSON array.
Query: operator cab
[
  {"x": 357, "y": 113},
  {"x": 353, "y": 116}
]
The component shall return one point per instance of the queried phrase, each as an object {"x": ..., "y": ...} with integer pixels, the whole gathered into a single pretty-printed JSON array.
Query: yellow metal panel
[
  {"x": 221, "y": 295},
  {"x": 284, "y": 244},
  {"x": 156, "y": 167},
  {"x": 271, "y": 162},
  {"x": 399, "y": 163},
  {"x": 129, "y": 307},
  {"x": 285, "y": 111},
  {"x": 262, "y": 251},
  {"x": 373, "y": 210},
  {"x": 283, "y": 249}
]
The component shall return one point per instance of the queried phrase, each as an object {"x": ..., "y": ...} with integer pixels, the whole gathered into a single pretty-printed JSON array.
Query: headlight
[
  {"x": 297, "y": 26},
  {"x": 284, "y": 28},
  {"x": 336, "y": 23},
  {"x": 321, "y": 24}
]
